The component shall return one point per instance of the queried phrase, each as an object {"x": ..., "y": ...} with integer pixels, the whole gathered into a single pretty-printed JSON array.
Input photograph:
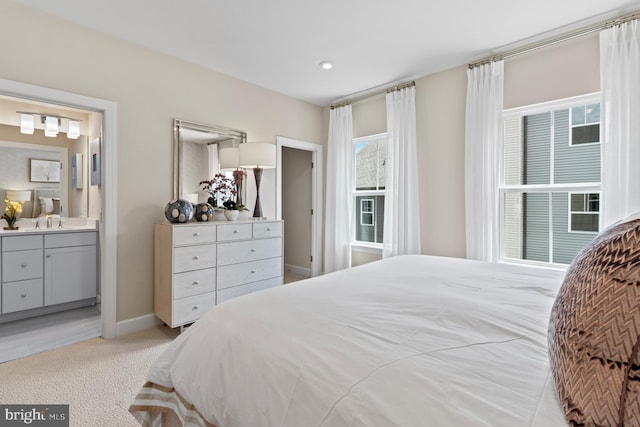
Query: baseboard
[
  {"x": 306, "y": 272},
  {"x": 137, "y": 324}
]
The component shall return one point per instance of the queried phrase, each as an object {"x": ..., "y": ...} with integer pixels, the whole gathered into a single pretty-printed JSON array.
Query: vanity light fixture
[
  {"x": 51, "y": 124},
  {"x": 27, "y": 123},
  {"x": 73, "y": 131}
]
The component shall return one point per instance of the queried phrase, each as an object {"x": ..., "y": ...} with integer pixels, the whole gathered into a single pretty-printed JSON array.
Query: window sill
[{"x": 370, "y": 248}]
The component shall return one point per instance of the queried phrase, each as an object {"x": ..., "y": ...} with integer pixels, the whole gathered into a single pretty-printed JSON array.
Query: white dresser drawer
[
  {"x": 22, "y": 265},
  {"x": 237, "y": 274},
  {"x": 190, "y": 309},
  {"x": 249, "y": 250},
  {"x": 22, "y": 295},
  {"x": 236, "y": 291},
  {"x": 192, "y": 235},
  {"x": 197, "y": 257},
  {"x": 234, "y": 232},
  {"x": 194, "y": 283},
  {"x": 267, "y": 229}
]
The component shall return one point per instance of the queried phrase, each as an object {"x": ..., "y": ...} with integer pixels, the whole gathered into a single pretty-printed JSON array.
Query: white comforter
[{"x": 408, "y": 341}]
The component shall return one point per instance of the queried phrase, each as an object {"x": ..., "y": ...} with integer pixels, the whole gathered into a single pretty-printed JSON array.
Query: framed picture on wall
[{"x": 44, "y": 170}]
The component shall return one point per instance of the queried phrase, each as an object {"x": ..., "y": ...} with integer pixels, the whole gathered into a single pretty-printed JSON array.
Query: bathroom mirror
[{"x": 196, "y": 155}]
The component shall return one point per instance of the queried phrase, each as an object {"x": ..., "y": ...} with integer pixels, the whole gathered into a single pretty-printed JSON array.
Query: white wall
[{"x": 150, "y": 90}]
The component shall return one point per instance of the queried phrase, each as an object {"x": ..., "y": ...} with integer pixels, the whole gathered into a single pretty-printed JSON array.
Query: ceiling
[{"x": 278, "y": 44}]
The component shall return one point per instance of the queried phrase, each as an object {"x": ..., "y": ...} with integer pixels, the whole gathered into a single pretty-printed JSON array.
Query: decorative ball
[
  {"x": 204, "y": 212},
  {"x": 178, "y": 211}
]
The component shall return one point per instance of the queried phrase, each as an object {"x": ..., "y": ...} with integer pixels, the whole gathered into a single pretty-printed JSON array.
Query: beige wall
[
  {"x": 150, "y": 90},
  {"x": 555, "y": 72}
]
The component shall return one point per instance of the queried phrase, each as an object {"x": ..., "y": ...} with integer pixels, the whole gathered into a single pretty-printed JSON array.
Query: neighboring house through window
[
  {"x": 550, "y": 195},
  {"x": 370, "y": 154}
]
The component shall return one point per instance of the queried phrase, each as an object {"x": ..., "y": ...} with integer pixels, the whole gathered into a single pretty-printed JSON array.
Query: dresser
[{"x": 198, "y": 265}]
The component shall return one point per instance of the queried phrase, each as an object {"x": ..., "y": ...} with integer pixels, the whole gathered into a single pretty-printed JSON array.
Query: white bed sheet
[{"x": 407, "y": 341}]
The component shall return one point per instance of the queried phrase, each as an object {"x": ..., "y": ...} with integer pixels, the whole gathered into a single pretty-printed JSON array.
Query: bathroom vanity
[{"x": 47, "y": 270}]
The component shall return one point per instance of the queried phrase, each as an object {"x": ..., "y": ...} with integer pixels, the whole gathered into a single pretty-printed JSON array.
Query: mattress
[{"x": 406, "y": 341}]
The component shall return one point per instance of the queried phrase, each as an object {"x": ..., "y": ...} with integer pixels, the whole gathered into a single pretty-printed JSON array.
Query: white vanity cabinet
[
  {"x": 43, "y": 272},
  {"x": 22, "y": 273},
  {"x": 70, "y": 265},
  {"x": 199, "y": 265}
]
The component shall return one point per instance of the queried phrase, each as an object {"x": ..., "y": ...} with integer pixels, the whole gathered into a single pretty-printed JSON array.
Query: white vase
[
  {"x": 231, "y": 215},
  {"x": 218, "y": 214}
]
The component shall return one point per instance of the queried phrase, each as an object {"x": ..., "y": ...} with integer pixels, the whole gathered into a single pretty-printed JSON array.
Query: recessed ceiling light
[{"x": 326, "y": 65}]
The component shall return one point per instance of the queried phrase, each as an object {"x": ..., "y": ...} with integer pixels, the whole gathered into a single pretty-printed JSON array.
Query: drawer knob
[
  {"x": 23, "y": 296},
  {"x": 23, "y": 265},
  {"x": 48, "y": 256},
  {"x": 195, "y": 307},
  {"x": 253, "y": 250},
  {"x": 268, "y": 228},
  {"x": 235, "y": 231},
  {"x": 253, "y": 271},
  {"x": 196, "y": 282},
  {"x": 196, "y": 257}
]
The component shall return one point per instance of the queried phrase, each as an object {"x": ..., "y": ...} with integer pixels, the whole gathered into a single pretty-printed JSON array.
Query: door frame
[
  {"x": 108, "y": 218},
  {"x": 316, "y": 193}
]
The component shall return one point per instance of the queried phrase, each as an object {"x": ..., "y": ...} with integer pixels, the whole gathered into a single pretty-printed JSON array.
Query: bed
[{"x": 406, "y": 341}]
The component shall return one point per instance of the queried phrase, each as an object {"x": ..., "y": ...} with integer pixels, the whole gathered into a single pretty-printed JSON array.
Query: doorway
[
  {"x": 299, "y": 204},
  {"x": 107, "y": 219}
]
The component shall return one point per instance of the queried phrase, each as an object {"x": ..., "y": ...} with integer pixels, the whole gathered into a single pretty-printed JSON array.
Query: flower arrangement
[
  {"x": 11, "y": 211},
  {"x": 219, "y": 188}
]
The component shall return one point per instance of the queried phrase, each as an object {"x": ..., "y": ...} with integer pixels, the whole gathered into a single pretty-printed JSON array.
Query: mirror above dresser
[{"x": 195, "y": 159}]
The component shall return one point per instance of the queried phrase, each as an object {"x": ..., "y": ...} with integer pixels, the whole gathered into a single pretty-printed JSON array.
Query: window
[
  {"x": 366, "y": 212},
  {"x": 584, "y": 212},
  {"x": 370, "y": 154},
  {"x": 550, "y": 194},
  {"x": 585, "y": 124}
]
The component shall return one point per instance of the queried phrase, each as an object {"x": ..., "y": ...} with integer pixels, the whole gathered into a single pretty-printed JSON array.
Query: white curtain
[
  {"x": 620, "y": 121},
  {"x": 401, "y": 198},
  {"x": 339, "y": 200},
  {"x": 483, "y": 154}
]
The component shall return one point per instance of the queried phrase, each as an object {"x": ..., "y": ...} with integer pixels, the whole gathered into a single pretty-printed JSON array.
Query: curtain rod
[
  {"x": 378, "y": 92},
  {"x": 560, "y": 38}
]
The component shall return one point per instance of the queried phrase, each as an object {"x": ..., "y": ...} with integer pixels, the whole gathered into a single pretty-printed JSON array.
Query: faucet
[
  {"x": 37, "y": 224},
  {"x": 48, "y": 221}
]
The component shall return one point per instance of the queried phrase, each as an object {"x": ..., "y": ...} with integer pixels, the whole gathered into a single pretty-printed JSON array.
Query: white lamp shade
[
  {"x": 74, "y": 129},
  {"x": 257, "y": 155},
  {"x": 19, "y": 196},
  {"x": 229, "y": 158},
  {"x": 27, "y": 123},
  {"x": 51, "y": 126}
]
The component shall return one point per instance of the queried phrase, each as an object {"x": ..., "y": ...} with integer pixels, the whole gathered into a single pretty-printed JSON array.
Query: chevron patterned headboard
[{"x": 594, "y": 331}]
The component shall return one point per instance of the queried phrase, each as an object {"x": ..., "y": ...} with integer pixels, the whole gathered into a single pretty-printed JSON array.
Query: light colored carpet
[{"x": 97, "y": 378}]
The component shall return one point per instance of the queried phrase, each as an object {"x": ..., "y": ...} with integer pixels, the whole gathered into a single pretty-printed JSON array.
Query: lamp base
[{"x": 257, "y": 210}]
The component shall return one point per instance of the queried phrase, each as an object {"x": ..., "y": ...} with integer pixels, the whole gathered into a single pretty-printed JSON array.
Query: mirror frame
[{"x": 222, "y": 134}]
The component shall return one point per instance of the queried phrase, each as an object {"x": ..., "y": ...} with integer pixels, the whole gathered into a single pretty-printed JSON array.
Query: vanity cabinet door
[{"x": 70, "y": 274}]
